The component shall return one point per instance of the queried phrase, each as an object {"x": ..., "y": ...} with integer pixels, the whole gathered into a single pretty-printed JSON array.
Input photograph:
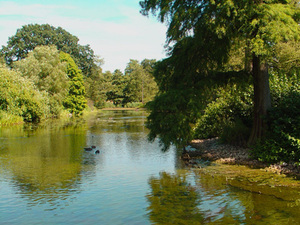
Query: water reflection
[
  {"x": 46, "y": 176},
  {"x": 173, "y": 201},
  {"x": 44, "y": 162},
  {"x": 193, "y": 197}
]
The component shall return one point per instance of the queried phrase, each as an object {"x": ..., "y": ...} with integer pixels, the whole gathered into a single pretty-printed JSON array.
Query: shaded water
[{"x": 46, "y": 177}]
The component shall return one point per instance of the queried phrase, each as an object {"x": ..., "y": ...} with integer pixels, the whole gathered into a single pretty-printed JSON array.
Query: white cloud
[{"x": 115, "y": 40}]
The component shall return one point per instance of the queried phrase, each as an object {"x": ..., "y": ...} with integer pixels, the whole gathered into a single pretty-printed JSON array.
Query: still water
[{"x": 46, "y": 177}]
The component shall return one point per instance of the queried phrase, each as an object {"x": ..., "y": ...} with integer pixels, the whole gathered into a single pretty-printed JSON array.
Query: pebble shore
[{"x": 213, "y": 150}]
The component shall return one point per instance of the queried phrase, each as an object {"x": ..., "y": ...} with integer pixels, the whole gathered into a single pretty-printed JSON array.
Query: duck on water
[{"x": 88, "y": 149}]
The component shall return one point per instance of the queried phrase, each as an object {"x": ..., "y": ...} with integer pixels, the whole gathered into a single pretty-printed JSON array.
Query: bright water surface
[{"x": 46, "y": 177}]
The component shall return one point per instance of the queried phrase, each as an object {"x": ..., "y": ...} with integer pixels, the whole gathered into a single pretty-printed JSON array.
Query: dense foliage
[
  {"x": 75, "y": 101},
  {"x": 33, "y": 35},
  {"x": 229, "y": 115},
  {"x": 210, "y": 38},
  {"x": 67, "y": 76},
  {"x": 137, "y": 85},
  {"x": 20, "y": 98},
  {"x": 45, "y": 69},
  {"x": 282, "y": 143}
]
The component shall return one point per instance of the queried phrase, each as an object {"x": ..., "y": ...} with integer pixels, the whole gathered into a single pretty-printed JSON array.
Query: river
[{"x": 46, "y": 177}]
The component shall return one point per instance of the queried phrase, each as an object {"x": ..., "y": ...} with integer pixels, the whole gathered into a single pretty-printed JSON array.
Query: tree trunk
[
  {"x": 262, "y": 99},
  {"x": 247, "y": 56}
]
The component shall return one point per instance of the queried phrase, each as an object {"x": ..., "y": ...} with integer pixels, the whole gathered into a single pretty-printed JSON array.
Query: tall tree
[
  {"x": 141, "y": 86},
  {"x": 44, "y": 67},
  {"x": 150, "y": 88},
  {"x": 118, "y": 84},
  {"x": 99, "y": 84},
  {"x": 134, "y": 88},
  {"x": 213, "y": 26},
  {"x": 33, "y": 35},
  {"x": 75, "y": 101}
]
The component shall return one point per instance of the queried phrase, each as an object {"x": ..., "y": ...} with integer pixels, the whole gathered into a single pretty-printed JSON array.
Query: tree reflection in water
[
  {"x": 45, "y": 162},
  {"x": 173, "y": 201},
  {"x": 207, "y": 197}
]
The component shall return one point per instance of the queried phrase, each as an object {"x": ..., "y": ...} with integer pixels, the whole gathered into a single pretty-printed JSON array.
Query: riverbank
[{"x": 213, "y": 150}]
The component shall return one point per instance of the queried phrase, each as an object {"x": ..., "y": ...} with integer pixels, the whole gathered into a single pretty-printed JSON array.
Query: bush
[
  {"x": 283, "y": 141},
  {"x": 236, "y": 133},
  {"x": 19, "y": 97},
  {"x": 9, "y": 119},
  {"x": 133, "y": 105},
  {"x": 108, "y": 104},
  {"x": 228, "y": 116}
]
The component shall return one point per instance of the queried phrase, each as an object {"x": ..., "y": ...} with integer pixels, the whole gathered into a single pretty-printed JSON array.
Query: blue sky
[{"x": 114, "y": 29}]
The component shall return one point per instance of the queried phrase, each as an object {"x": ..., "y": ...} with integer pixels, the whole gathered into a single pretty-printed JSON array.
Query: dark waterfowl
[
  {"x": 97, "y": 152},
  {"x": 93, "y": 146},
  {"x": 87, "y": 149}
]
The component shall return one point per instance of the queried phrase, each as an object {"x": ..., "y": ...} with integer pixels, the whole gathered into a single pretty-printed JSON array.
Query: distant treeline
[{"x": 45, "y": 73}]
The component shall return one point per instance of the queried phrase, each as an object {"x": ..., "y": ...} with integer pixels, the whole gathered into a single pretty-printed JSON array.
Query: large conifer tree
[{"x": 207, "y": 28}]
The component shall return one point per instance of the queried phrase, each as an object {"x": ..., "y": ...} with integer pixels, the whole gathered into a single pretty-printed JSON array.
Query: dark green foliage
[
  {"x": 118, "y": 84},
  {"x": 235, "y": 133},
  {"x": 183, "y": 91},
  {"x": 137, "y": 85},
  {"x": 75, "y": 101},
  {"x": 204, "y": 33},
  {"x": 229, "y": 115},
  {"x": 99, "y": 85},
  {"x": 283, "y": 141},
  {"x": 172, "y": 116},
  {"x": 33, "y": 35}
]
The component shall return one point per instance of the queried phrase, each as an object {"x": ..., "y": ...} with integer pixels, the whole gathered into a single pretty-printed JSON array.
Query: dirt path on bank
[{"x": 213, "y": 150}]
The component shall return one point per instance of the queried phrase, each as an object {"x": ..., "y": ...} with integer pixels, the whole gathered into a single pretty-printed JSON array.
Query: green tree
[
  {"x": 75, "y": 101},
  {"x": 133, "y": 91},
  {"x": 141, "y": 86},
  {"x": 118, "y": 84},
  {"x": 33, "y": 35},
  {"x": 20, "y": 97},
  {"x": 99, "y": 85},
  {"x": 150, "y": 88},
  {"x": 45, "y": 69},
  {"x": 206, "y": 30}
]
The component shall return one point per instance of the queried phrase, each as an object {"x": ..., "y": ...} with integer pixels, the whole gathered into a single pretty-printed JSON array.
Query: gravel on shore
[{"x": 213, "y": 150}]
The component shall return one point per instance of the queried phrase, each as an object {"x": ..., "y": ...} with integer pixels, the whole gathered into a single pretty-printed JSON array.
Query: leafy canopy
[
  {"x": 45, "y": 69},
  {"x": 20, "y": 97},
  {"x": 33, "y": 35},
  {"x": 201, "y": 34},
  {"x": 265, "y": 23},
  {"x": 75, "y": 101}
]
